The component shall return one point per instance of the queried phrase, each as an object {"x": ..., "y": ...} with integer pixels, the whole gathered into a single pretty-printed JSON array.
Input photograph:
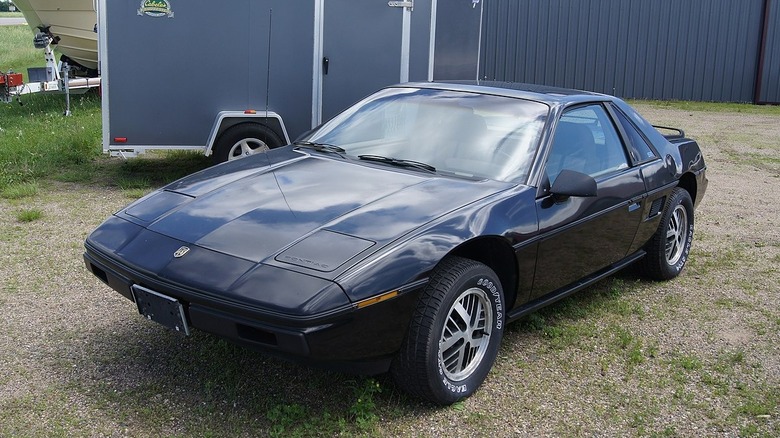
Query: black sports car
[{"x": 406, "y": 232}]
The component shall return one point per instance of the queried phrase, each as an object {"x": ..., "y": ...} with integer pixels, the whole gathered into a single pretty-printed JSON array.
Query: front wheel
[
  {"x": 670, "y": 246},
  {"x": 455, "y": 333}
]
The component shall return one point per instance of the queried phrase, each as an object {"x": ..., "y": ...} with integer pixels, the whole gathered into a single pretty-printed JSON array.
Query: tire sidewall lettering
[
  {"x": 678, "y": 267},
  {"x": 453, "y": 388},
  {"x": 684, "y": 257},
  {"x": 495, "y": 295}
]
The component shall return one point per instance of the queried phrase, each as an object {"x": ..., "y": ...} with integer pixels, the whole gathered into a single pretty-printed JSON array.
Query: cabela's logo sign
[{"x": 156, "y": 8}]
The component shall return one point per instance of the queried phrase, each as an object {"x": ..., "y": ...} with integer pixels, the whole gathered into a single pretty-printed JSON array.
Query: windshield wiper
[
  {"x": 321, "y": 147},
  {"x": 398, "y": 162}
]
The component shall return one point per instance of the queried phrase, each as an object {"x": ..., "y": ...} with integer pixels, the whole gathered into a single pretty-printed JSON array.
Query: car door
[{"x": 582, "y": 235}]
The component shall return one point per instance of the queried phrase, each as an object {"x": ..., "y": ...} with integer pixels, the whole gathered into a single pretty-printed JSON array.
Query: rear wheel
[
  {"x": 669, "y": 248},
  {"x": 243, "y": 140},
  {"x": 455, "y": 333}
]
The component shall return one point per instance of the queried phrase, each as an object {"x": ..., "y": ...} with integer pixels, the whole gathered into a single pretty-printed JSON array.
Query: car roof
[{"x": 540, "y": 93}]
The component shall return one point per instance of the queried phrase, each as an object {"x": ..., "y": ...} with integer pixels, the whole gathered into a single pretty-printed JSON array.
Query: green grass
[
  {"x": 39, "y": 143},
  {"x": 688, "y": 363},
  {"x": 29, "y": 215},
  {"x": 755, "y": 159},
  {"x": 718, "y": 107},
  {"x": 17, "y": 51},
  {"x": 19, "y": 190}
]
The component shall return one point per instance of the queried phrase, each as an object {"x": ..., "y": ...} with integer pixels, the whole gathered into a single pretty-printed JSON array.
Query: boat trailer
[{"x": 54, "y": 78}]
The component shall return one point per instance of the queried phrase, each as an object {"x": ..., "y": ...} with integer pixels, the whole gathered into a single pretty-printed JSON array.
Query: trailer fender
[{"x": 227, "y": 124}]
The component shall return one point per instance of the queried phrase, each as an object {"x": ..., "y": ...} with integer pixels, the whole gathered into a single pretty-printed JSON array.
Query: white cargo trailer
[{"x": 237, "y": 76}]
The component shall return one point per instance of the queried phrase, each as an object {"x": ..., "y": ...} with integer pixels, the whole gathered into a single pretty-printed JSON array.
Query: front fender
[{"x": 410, "y": 260}]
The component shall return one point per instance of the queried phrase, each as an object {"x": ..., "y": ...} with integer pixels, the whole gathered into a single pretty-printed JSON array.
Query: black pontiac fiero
[{"x": 406, "y": 232}]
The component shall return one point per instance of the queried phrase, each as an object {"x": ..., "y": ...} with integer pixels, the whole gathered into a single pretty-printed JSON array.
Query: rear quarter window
[{"x": 638, "y": 147}]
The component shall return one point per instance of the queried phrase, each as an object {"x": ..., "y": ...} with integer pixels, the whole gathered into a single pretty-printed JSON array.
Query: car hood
[{"x": 308, "y": 211}]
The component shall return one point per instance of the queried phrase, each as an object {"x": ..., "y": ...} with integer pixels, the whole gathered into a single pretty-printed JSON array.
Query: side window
[
  {"x": 586, "y": 141},
  {"x": 640, "y": 151}
]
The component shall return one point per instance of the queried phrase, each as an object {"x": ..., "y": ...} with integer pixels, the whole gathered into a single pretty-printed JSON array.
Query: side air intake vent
[{"x": 656, "y": 207}]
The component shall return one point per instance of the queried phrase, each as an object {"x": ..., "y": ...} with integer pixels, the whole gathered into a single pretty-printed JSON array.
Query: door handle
[
  {"x": 634, "y": 206},
  {"x": 325, "y": 64}
]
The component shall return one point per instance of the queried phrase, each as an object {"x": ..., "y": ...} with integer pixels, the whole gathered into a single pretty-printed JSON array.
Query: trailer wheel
[{"x": 243, "y": 140}]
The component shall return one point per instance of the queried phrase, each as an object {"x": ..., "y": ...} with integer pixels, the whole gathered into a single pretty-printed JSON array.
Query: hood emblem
[{"x": 181, "y": 252}]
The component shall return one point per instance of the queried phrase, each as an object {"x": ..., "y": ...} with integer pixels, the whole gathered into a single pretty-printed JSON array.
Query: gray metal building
[{"x": 704, "y": 50}]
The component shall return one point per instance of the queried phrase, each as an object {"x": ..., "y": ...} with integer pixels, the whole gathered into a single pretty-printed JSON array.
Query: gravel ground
[{"x": 697, "y": 356}]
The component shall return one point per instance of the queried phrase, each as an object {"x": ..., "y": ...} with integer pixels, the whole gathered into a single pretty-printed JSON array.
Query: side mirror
[{"x": 572, "y": 183}]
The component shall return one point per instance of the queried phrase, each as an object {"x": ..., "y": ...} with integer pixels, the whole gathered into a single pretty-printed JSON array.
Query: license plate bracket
[{"x": 161, "y": 309}]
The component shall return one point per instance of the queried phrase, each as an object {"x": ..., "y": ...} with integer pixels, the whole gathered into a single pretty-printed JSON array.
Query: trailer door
[{"x": 361, "y": 51}]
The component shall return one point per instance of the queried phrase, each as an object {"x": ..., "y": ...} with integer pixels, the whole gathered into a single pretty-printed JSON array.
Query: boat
[{"x": 73, "y": 22}]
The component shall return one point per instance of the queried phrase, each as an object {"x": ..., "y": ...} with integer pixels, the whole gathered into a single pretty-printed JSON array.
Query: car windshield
[{"x": 466, "y": 134}]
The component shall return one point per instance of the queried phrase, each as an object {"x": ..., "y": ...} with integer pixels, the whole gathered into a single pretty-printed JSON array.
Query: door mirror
[{"x": 572, "y": 183}]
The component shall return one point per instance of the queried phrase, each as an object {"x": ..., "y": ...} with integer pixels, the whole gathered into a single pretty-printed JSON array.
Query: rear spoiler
[{"x": 677, "y": 133}]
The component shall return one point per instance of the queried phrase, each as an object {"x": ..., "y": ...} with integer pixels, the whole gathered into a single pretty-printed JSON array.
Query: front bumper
[{"x": 346, "y": 338}]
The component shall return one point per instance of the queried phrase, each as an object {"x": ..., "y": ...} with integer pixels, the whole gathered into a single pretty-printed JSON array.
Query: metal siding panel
[
  {"x": 629, "y": 23},
  {"x": 714, "y": 51},
  {"x": 640, "y": 44},
  {"x": 489, "y": 41},
  {"x": 701, "y": 54},
  {"x": 669, "y": 64},
  {"x": 730, "y": 86},
  {"x": 511, "y": 49},
  {"x": 685, "y": 58},
  {"x": 603, "y": 53},
  {"x": 683, "y": 49},
  {"x": 617, "y": 65},
  {"x": 770, "y": 80},
  {"x": 573, "y": 55},
  {"x": 600, "y": 59},
  {"x": 545, "y": 45},
  {"x": 561, "y": 43},
  {"x": 622, "y": 65},
  {"x": 660, "y": 42},
  {"x": 514, "y": 52},
  {"x": 751, "y": 38},
  {"x": 674, "y": 67},
  {"x": 719, "y": 33},
  {"x": 499, "y": 49},
  {"x": 589, "y": 36},
  {"x": 510, "y": 52},
  {"x": 579, "y": 56}
]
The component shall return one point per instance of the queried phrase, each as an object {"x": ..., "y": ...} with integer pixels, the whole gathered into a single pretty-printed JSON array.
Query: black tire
[
  {"x": 424, "y": 367},
  {"x": 670, "y": 246},
  {"x": 243, "y": 140}
]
